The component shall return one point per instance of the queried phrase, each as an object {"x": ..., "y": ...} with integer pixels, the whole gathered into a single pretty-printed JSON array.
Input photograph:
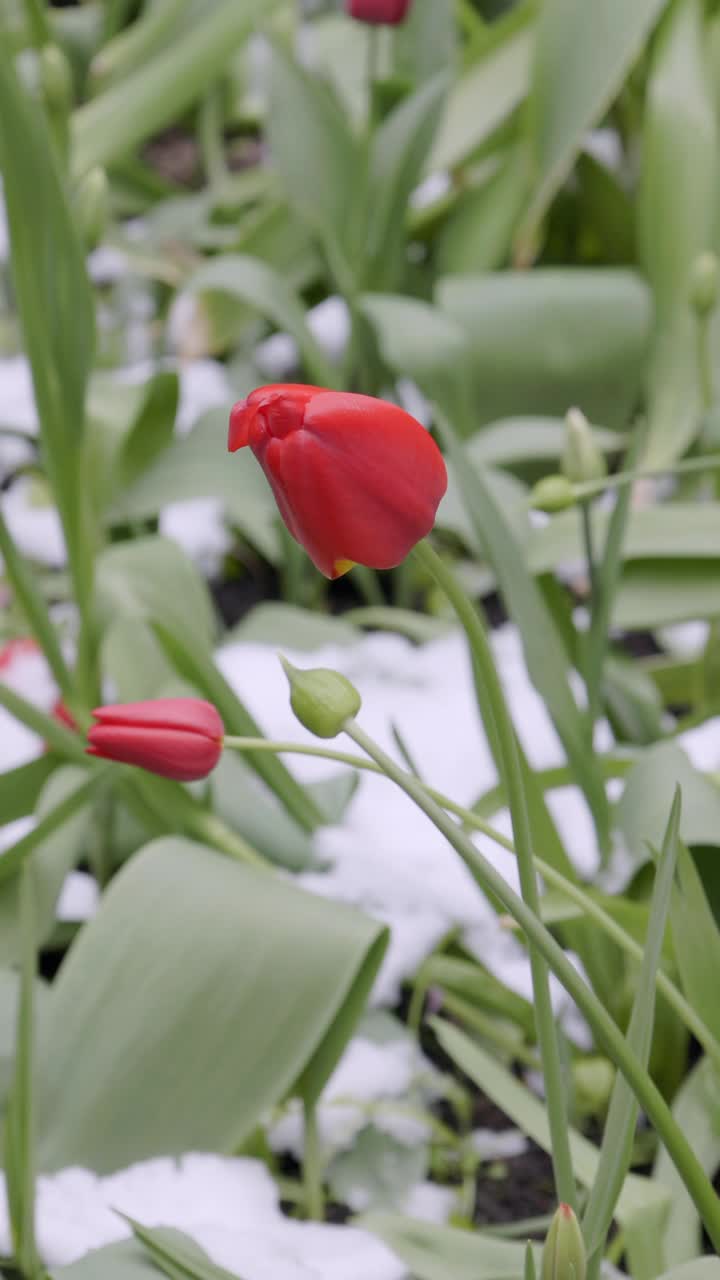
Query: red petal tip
[{"x": 239, "y": 426}]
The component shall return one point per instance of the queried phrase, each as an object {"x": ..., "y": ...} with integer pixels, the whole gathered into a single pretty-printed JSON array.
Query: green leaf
[
  {"x": 541, "y": 341},
  {"x": 698, "y": 1269},
  {"x": 47, "y": 825},
  {"x": 49, "y": 862},
  {"x": 151, "y": 578},
  {"x": 54, "y": 301},
  {"x": 185, "y": 1021},
  {"x": 399, "y": 151},
  {"x": 485, "y": 95},
  {"x": 258, "y": 815},
  {"x": 325, "y": 177},
  {"x": 695, "y": 1108},
  {"x": 152, "y": 428},
  {"x": 680, "y": 178},
  {"x": 110, "y": 125},
  {"x": 287, "y": 626},
  {"x": 378, "y": 1171},
  {"x": 639, "y": 1196},
  {"x": 426, "y": 42},
  {"x": 445, "y": 1253},
  {"x": 696, "y": 941},
  {"x": 19, "y": 1144},
  {"x": 619, "y": 1133},
  {"x": 20, "y": 788},
  {"x": 176, "y": 1255},
  {"x": 547, "y": 664},
  {"x": 669, "y": 531},
  {"x": 478, "y": 234},
  {"x": 582, "y": 57},
  {"x": 264, "y": 289},
  {"x": 124, "y": 1261},
  {"x": 640, "y": 812},
  {"x": 198, "y": 466}
]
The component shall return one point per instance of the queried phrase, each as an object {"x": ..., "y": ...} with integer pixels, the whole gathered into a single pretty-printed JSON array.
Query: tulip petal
[
  {"x": 171, "y": 753},
  {"x": 190, "y": 715},
  {"x": 362, "y": 481}
]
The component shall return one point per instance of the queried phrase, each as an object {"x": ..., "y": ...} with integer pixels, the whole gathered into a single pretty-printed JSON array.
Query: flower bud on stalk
[
  {"x": 552, "y": 493},
  {"x": 389, "y": 13},
  {"x": 356, "y": 480},
  {"x": 705, "y": 283},
  {"x": 564, "y": 1256},
  {"x": 180, "y": 738},
  {"x": 582, "y": 461},
  {"x": 322, "y": 700},
  {"x": 92, "y": 202}
]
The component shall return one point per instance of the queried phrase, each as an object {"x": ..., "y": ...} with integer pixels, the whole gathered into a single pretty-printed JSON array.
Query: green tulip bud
[
  {"x": 582, "y": 461},
  {"x": 564, "y": 1256},
  {"x": 92, "y": 201},
  {"x": 56, "y": 80},
  {"x": 322, "y": 700},
  {"x": 552, "y": 493},
  {"x": 705, "y": 283},
  {"x": 593, "y": 1079}
]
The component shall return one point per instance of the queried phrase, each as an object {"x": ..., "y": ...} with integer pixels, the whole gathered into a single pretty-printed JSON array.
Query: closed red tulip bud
[
  {"x": 178, "y": 738},
  {"x": 357, "y": 480},
  {"x": 386, "y": 12}
]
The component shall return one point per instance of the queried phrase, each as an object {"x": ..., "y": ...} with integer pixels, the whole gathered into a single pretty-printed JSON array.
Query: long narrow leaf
[
  {"x": 19, "y": 1122},
  {"x": 547, "y": 664},
  {"x": 619, "y": 1132}
]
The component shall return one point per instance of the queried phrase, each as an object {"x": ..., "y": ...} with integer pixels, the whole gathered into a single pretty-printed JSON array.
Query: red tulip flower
[
  {"x": 357, "y": 480},
  {"x": 379, "y": 12},
  {"x": 177, "y": 738}
]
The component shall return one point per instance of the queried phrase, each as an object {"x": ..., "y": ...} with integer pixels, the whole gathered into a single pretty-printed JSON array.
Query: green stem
[
  {"x": 312, "y": 1165},
  {"x": 588, "y": 542},
  {"x": 705, "y": 371},
  {"x": 607, "y": 1033},
  {"x": 592, "y": 684},
  {"x": 511, "y": 776},
  {"x": 556, "y": 879},
  {"x": 38, "y": 25},
  {"x": 593, "y": 488},
  {"x": 211, "y": 135}
]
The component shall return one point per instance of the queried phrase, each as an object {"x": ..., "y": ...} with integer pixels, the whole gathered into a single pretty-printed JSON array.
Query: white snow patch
[{"x": 229, "y": 1206}]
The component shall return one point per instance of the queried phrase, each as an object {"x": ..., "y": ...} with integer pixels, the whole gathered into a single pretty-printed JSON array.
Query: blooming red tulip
[
  {"x": 177, "y": 738},
  {"x": 357, "y": 480},
  {"x": 385, "y": 12}
]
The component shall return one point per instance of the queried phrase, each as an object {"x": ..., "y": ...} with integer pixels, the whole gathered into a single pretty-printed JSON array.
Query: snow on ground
[{"x": 229, "y": 1206}]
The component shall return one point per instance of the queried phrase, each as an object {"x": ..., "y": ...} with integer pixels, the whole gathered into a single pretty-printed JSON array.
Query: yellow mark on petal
[{"x": 343, "y": 566}]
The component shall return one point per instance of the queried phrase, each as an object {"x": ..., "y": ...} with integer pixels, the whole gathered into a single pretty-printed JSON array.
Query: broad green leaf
[
  {"x": 265, "y": 290},
  {"x": 582, "y": 55},
  {"x": 547, "y": 664},
  {"x": 485, "y": 95},
  {"x": 152, "y": 428},
  {"x": 666, "y": 591},
  {"x": 289, "y": 626},
  {"x": 513, "y": 442},
  {"x": 398, "y": 154},
  {"x": 446, "y": 1253},
  {"x": 152, "y": 579},
  {"x": 325, "y": 177},
  {"x": 640, "y": 812},
  {"x": 619, "y": 1131},
  {"x": 20, "y": 788},
  {"x": 156, "y": 94},
  {"x": 669, "y": 531},
  {"x": 639, "y": 1196},
  {"x": 247, "y": 807},
  {"x": 124, "y": 1261},
  {"x": 707, "y": 1268},
  {"x": 542, "y": 341},
  {"x": 695, "y": 1108},
  {"x": 426, "y": 42},
  {"x": 696, "y": 941},
  {"x": 199, "y": 466},
  {"x": 49, "y": 863},
  {"x": 186, "y": 1020},
  {"x": 54, "y": 302},
  {"x": 133, "y": 660},
  {"x": 680, "y": 178}
]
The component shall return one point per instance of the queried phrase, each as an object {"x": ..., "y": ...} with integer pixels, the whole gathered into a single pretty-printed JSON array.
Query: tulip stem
[
  {"x": 609, "y": 1036},
  {"x": 511, "y": 776},
  {"x": 472, "y": 820},
  {"x": 312, "y": 1165}
]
